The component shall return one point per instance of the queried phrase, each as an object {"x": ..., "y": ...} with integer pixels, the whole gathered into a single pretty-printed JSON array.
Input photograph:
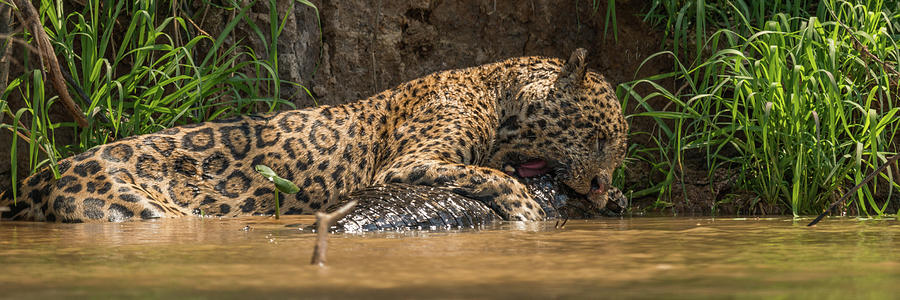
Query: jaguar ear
[{"x": 575, "y": 67}]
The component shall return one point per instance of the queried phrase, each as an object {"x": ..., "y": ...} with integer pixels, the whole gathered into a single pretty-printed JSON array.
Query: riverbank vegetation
[
  {"x": 138, "y": 67},
  {"x": 798, "y": 98}
]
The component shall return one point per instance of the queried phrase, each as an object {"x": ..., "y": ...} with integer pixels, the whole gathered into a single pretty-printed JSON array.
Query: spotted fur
[{"x": 454, "y": 129}]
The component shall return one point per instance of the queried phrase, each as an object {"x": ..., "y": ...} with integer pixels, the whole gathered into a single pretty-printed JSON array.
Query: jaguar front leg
[{"x": 502, "y": 193}]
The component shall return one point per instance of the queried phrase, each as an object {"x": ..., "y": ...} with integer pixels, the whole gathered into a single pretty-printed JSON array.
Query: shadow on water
[{"x": 633, "y": 257}]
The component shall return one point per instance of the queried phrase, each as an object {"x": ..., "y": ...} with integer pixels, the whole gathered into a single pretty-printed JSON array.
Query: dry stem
[
  {"x": 325, "y": 221},
  {"x": 28, "y": 15}
]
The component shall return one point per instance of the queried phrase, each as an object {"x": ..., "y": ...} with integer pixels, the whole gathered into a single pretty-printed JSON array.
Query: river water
[{"x": 647, "y": 257}]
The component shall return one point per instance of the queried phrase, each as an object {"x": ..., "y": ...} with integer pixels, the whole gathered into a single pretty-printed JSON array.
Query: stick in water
[
  {"x": 325, "y": 221},
  {"x": 853, "y": 190}
]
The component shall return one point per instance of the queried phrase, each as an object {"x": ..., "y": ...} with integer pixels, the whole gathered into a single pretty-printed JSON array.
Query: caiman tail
[{"x": 411, "y": 207}]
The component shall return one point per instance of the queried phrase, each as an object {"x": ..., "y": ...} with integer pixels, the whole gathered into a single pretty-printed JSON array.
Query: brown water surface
[{"x": 611, "y": 258}]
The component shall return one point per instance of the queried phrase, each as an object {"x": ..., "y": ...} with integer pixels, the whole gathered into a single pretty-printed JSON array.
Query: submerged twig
[
  {"x": 559, "y": 211},
  {"x": 853, "y": 190},
  {"x": 563, "y": 225},
  {"x": 325, "y": 221}
]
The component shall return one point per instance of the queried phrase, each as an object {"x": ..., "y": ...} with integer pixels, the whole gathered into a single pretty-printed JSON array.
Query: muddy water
[{"x": 612, "y": 258}]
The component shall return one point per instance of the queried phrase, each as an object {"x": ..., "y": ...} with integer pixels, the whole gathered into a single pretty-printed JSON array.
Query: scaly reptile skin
[{"x": 396, "y": 207}]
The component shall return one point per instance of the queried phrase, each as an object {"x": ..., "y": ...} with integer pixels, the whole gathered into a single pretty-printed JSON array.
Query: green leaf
[{"x": 283, "y": 185}]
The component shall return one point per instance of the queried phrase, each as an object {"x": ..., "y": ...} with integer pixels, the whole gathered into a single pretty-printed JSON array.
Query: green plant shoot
[{"x": 281, "y": 185}]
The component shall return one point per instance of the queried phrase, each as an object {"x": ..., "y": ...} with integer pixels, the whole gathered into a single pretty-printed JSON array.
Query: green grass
[
  {"x": 688, "y": 23},
  {"x": 785, "y": 98},
  {"x": 144, "y": 66}
]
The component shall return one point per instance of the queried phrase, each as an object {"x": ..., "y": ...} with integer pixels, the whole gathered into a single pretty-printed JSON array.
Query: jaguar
[{"x": 473, "y": 132}]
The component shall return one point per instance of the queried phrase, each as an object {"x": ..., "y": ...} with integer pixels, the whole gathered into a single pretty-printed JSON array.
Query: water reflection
[{"x": 640, "y": 257}]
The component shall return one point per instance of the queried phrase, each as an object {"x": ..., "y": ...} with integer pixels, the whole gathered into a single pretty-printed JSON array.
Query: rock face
[
  {"x": 370, "y": 45},
  {"x": 366, "y": 46}
]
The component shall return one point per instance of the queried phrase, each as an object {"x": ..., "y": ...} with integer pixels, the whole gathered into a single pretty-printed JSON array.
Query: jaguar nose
[{"x": 598, "y": 186}]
